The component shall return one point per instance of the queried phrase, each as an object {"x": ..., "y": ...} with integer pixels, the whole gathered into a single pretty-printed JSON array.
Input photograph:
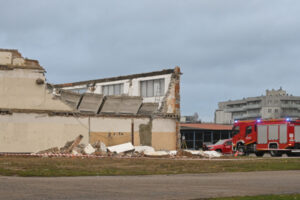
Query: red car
[{"x": 222, "y": 146}]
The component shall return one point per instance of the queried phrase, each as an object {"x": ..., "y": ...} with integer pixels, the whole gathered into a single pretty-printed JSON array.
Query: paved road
[{"x": 150, "y": 187}]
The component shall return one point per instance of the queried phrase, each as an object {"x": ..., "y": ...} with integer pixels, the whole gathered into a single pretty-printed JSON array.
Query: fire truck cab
[{"x": 276, "y": 136}]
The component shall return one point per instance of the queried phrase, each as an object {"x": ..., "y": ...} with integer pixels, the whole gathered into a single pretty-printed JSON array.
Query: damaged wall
[
  {"x": 22, "y": 84},
  {"x": 159, "y": 133},
  {"x": 30, "y": 132},
  {"x": 18, "y": 89},
  {"x": 34, "y": 118}
]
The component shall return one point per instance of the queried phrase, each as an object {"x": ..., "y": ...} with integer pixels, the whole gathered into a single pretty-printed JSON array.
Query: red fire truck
[{"x": 276, "y": 136}]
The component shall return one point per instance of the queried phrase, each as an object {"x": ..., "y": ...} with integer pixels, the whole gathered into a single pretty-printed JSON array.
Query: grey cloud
[{"x": 226, "y": 49}]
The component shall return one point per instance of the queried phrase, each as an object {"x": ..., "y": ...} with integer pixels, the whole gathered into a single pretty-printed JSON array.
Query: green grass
[
  {"x": 33, "y": 166},
  {"x": 264, "y": 197}
]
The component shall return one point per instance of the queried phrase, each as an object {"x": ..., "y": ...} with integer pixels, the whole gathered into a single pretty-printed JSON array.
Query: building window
[
  {"x": 269, "y": 110},
  {"x": 115, "y": 89},
  {"x": 276, "y": 110},
  {"x": 152, "y": 88}
]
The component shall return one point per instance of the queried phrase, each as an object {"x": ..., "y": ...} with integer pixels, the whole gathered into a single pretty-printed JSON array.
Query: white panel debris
[
  {"x": 121, "y": 148},
  {"x": 89, "y": 149},
  {"x": 103, "y": 147},
  {"x": 206, "y": 154},
  {"x": 143, "y": 149},
  {"x": 172, "y": 153},
  {"x": 156, "y": 153},
  {"x": 194, "y": 152},
  {"x": 74, "y": 152},
  {"x": 211, "y": 154}
]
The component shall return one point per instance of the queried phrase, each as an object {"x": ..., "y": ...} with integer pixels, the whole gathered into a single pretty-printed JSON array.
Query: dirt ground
[{"x": 190, "y": 186}]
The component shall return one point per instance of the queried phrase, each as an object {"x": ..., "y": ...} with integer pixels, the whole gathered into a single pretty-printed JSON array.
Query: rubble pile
[{"x": 124, "y": 150}]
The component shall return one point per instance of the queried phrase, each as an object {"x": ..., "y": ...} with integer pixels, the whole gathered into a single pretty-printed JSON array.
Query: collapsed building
[{"x": 143, "y": 109}]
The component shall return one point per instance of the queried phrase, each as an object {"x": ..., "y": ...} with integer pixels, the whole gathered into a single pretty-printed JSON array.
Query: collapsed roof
[{"x": 99, "y": 104}]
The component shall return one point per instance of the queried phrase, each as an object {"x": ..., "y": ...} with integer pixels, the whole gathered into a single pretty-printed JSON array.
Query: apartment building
[{"x": 274, "y": 104}]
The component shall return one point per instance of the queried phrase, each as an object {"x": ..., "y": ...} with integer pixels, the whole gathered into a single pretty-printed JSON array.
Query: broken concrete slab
[
  {"x": 143, "y": 149},
  {"x": 157, "y": 154},
  {"x": 90, "y": 103},
  {"x": 51, "y": 150},
  {"x": 74, "y": 152},
  {"x": 103, "y": 147},
  {"x": 69, "y": 146},
  {"x": 99, "y": 146},
  {"x": 70, "y": 98},
  {"x": 172, "y": 153},
  {"x": 148, "y": 108},
  {"x": 122, "y": 148},
  {"x": 211, "y": 154},
  {"x": 89, "y": 149},
  {"x": 121, "y": 105},
  {"x": 187, "y": 153},
  {"x": 194, "y": 152}
]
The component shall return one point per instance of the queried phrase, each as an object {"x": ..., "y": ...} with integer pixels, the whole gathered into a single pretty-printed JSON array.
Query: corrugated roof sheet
[{"x": 207, "y": 126}]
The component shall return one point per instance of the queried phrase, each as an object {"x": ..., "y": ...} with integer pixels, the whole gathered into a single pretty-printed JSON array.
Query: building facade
[
  {"x": 274, "y": 104},
  {"x": 36, "y": 115}
]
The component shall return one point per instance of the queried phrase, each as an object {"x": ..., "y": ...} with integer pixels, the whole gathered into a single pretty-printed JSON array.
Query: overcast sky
[{"x": 227, "y": 49}]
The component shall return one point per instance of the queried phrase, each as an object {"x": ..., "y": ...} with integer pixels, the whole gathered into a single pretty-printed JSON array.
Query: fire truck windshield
[{"x": 235, "y": 130}]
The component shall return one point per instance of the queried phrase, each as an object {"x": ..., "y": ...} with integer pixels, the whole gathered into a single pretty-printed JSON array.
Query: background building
[
  {"x": 197, "y": 134},
  {"x": 275, "y": 104}
]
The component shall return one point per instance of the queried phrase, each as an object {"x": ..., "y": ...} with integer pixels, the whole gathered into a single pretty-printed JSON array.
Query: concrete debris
[
  {"x": 51, "y": 150},
  {"x": 194, "y": 152},
  {"x": 89, "y": 149},
  {"x": 122, "y": 148},
  {"x": 143, "y": 149},
  {"x": 74, "y": 152},
  {"x": 157, "y": 154},
  {"x": 205, "y": 154},
  {"x": 186, "y": 153},
  {"x": 172, "y": 153},
  {"x": 103, "y": 147},
  {"x": 211, "y": 154},
  {"x": 69, "y": 146},
  {"x": 100, "y": 146}
]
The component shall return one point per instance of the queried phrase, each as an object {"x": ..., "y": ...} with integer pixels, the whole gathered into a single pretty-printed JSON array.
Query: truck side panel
[
  {"x": 283, "y": 134},
  {"x": 262, "y": 134},
  {"x": 273, "y": 132},
  {"x": 297, "y": 133}
]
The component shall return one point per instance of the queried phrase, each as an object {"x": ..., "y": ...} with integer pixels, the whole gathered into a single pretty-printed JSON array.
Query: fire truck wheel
[
  {"x": 259, "y": 153},
  {"x": 275, "y": 154},
  {"x": 241, "y": 150}
]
